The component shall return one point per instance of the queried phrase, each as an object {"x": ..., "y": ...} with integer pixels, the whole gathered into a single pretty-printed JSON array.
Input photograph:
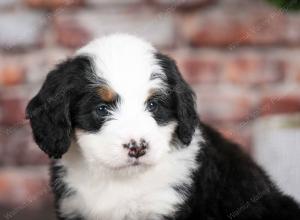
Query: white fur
[
  {"x": 146, "y": 194},
  {"x": 107, "y": 184}
]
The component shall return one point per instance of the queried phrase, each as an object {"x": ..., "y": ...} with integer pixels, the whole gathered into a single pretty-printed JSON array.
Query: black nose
[{"x": 136, "y": 149}]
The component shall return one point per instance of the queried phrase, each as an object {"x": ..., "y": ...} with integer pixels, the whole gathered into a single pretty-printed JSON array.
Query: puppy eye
[
  {"x": 102, "y": 110},
  {"x": 152, "y": 106}
]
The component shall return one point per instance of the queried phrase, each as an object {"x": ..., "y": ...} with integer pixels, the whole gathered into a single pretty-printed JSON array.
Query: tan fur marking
[
  {"x": 106, "y": 94},
  {"x": 151, "y": 93}
]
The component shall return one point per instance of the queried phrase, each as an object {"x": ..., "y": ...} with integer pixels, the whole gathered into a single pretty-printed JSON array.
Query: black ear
[
  {"x": 184, "y": 100},
  {"x": 49, "y": 111}
]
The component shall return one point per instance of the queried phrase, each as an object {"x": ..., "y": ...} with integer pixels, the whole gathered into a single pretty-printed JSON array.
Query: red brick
[
  {"x": 199, "y": 70},
  {"x": 252, "y": 70},
  {"x": 19, "y": 148},
  {"x": 225, "y": 26},
  {"x": 108, "y": 3},
  {"x": 54, "y": 4},
  {"x": 222, "y": 106},
  {"x": 142, "y": 23},
  {"x": 183, "y": 4},
  {"x": 292, "y": 34},
  {"x": 298, "y": 77},
  {"x": 71, "y": 34},
  {"x": 280, "y": 104},
  {"x": 23, "y": 187},
  {"x": 12, "y": 110},
  {"x": 11, "y": 74},
  {"x": 291, "y": 68}
]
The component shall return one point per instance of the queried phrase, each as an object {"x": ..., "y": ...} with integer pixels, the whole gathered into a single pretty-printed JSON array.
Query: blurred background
[{"x": 242, "y": 57}]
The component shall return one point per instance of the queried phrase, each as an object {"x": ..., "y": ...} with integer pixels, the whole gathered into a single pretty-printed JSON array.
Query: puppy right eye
[
  {"x": 152, "y": 106},
  {"x": 102, "y": 110}
]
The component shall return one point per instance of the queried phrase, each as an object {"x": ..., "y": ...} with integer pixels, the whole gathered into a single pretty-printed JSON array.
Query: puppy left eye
[
  {"x": 152, "y": 106},
  {"x": 102, "y": 110}
]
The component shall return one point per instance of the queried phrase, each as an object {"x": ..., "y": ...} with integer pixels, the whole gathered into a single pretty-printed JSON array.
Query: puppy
[{"x": 121, "y": 127}]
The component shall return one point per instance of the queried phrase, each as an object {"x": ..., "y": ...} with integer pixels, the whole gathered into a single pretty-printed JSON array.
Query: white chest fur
[{"x": 146, "y": 194}]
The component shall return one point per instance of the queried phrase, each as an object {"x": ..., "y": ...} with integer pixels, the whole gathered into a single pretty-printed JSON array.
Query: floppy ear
[
  {"x": 49, "y": 110},
  {"x": 184, "y": 100},
  {"x": 186, "y": 111}
]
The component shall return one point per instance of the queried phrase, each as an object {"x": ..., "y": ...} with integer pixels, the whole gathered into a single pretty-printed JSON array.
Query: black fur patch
[
  {"x": 165, "y": 111},
  {"x": 182, "y": 97},
  {"x": 85, "y": 114},
  {"x": 229, "y": 186},
  {"x": 51, "y": 111}
]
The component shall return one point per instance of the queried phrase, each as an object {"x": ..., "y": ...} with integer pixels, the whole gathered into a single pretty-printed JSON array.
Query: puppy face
[{"x": 122, "y": 102}]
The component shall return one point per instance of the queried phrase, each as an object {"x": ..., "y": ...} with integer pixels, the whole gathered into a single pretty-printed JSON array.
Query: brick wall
[{"x": 241, "y": 57}]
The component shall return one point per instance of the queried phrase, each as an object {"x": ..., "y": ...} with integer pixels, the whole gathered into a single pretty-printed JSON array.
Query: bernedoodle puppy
[{"x": 121, "y": 127}]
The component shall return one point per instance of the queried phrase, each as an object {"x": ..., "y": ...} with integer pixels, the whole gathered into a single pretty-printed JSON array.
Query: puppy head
[{"x": 121, "y": 101}]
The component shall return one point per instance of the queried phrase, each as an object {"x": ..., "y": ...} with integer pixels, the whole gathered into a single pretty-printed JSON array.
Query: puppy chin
[
  {"x": 125, "y": 170},
  {"x": 134, "y": 164}
]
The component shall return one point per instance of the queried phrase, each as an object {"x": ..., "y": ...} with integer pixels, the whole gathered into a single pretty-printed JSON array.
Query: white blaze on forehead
[{"x": 125, "y": 62}]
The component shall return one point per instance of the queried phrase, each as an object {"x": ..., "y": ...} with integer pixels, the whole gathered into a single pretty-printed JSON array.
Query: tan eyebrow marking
[
  {"x": 106, "y": 93},
  {"x": 151, "y": 93}
]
